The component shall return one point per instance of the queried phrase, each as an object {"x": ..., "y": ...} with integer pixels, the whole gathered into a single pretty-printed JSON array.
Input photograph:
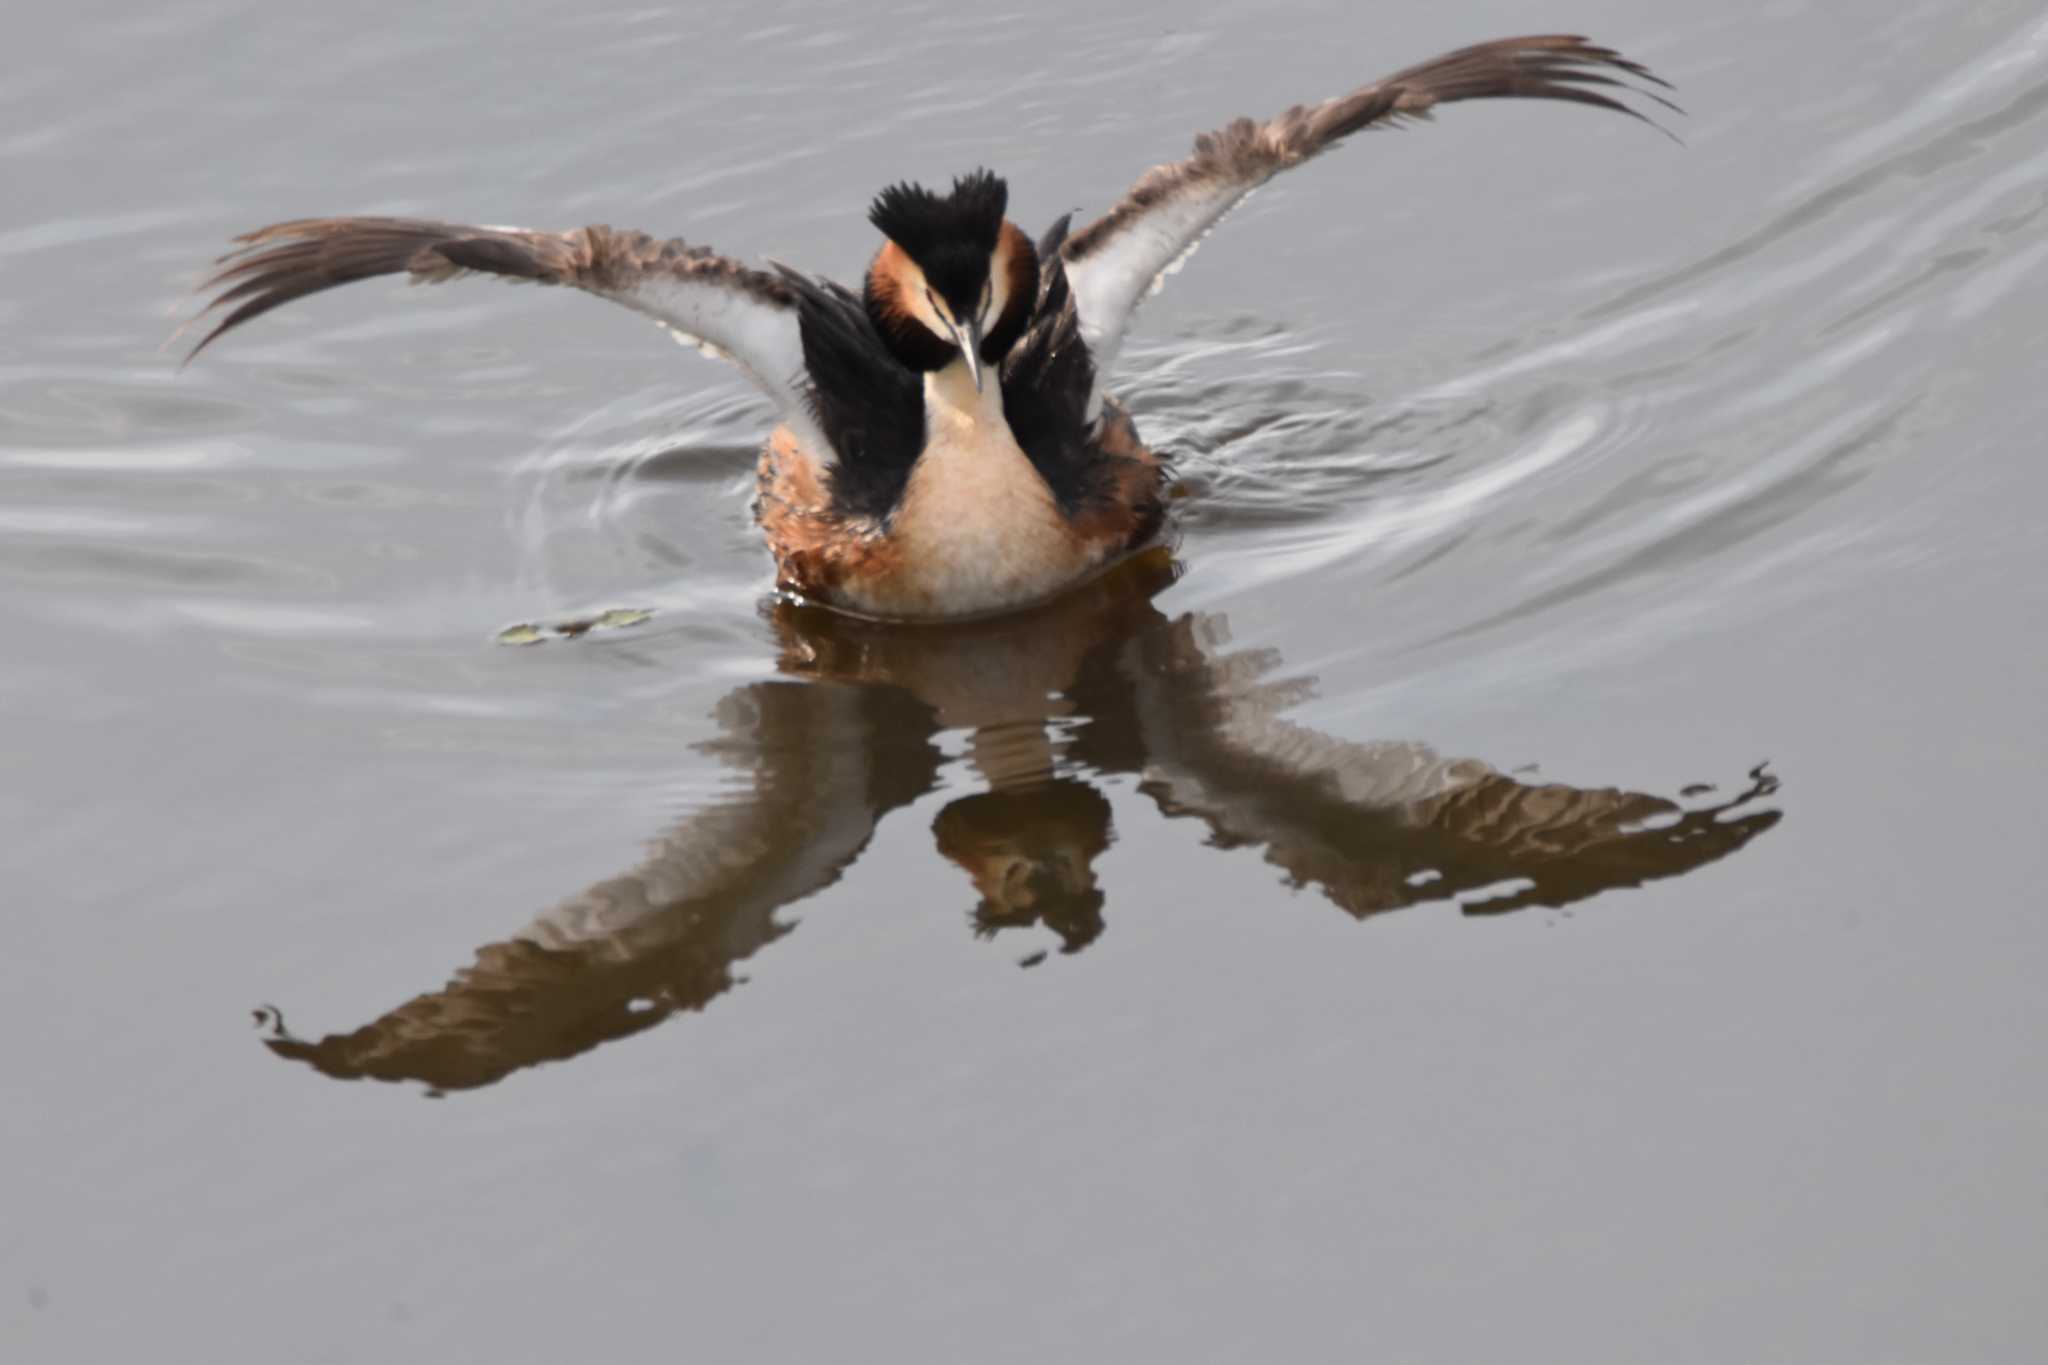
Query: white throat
[{"x": 950, "y": 400}]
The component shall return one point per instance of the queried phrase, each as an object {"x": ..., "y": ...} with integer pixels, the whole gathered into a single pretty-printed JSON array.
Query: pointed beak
[{"x": 968, "y": 339}]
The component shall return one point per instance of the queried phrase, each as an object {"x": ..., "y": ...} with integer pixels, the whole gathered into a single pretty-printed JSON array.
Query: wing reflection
[{"x": 1100, "y": 683}]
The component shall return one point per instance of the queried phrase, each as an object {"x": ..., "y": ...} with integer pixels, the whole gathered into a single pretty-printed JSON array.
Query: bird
[{"x": 946, "y": 446}]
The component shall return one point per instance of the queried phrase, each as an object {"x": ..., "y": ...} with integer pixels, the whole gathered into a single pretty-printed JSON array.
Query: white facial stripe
[
  {"x": 991, "y": 304},
  {"x": 998, "y": 282},
  {"x": 923, "y": 301}
]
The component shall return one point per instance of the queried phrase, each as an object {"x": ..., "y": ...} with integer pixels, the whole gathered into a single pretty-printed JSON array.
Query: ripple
[
  {"x": 124, "y": 459},
  {"x": 69, "y": 411},
  {"x": 271, "y": 620},
  {"x": 73, "y": 521},
  {"x": 1261, "y": 441},
  {"x": 83, "y": 230},
  {"x": 650, "y": 487},
  {"x": 1720, "y": 518},
  {"x": 1888, "y": 164},
  {"x": 148, "y": 567}
]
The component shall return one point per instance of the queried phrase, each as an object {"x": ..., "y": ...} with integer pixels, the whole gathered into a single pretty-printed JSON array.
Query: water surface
[{"x": 1548, "y": 871}]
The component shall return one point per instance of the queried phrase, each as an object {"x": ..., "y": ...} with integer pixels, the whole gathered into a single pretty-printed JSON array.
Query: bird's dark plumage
[
  {"x": 924, "y": 222},
  {"x": 870, "y": 406},
  {"x": 1046, "y": 383}
]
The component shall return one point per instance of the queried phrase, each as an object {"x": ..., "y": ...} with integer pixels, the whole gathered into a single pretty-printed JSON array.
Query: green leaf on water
[{"x": 570, "y": 628}]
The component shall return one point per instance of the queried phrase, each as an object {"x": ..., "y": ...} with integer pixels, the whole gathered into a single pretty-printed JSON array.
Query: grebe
[{"x": 946, "y": 448}]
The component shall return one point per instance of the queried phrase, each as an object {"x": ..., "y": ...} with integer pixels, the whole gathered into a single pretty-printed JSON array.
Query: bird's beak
[{"x": 968, "y": 339}]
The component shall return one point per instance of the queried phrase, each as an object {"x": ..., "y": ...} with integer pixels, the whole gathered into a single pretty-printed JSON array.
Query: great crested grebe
[{"x": 946, "y": 448}]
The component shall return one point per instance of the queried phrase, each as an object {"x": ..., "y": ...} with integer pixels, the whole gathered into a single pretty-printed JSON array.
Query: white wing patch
[
  {"x": 1187, "y": 253},
  {"x": 726, "y": 323},
  {"x": 1111, "y": 281},
  {"x": 697, "y": 344}
]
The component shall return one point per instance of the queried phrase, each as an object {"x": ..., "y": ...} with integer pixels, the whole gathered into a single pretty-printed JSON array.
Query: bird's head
[{"x": 955, "y": 281}]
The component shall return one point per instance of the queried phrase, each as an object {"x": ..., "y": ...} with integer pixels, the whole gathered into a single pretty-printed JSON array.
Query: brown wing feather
[
  {"x": 286, "y": 261},
  {"x": 1544, "y": 66}
]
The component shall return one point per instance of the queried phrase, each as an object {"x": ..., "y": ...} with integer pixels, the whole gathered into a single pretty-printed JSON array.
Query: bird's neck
[
  {"x": 977, "y": 529},
  {"x": 975, "y": 516},
  {"x": 952, "y": 403}
]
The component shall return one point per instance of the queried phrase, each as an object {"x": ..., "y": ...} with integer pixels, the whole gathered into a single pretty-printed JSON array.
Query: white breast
[{"x": 977, "y": 530}]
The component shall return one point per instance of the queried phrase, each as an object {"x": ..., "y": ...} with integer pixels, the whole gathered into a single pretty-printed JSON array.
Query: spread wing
[
  {"x": 744, "y": 315},
  {"x": 1114, "y": 261}
]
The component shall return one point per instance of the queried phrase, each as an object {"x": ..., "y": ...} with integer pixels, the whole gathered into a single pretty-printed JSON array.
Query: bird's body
[
  {"x": 947, "y": 448},
  {"x": 978, "y": 528}
]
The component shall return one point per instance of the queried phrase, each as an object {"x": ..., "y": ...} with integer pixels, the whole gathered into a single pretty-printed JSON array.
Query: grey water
[{"x": 1545, "y": 867}]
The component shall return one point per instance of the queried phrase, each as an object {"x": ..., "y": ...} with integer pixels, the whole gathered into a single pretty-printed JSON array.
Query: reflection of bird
[
  {"x": 1098, "y": 684},
  {"x": 946, "y": 448}
]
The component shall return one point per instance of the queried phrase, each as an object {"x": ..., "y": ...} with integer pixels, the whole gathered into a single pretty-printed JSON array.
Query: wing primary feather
[
  {"x": 1113, "y": 262},
  {"x": 744, "y": 314}
]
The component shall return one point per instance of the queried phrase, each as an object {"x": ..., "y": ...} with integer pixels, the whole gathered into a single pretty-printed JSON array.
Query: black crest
[
  {"x": 922, "y": 221},
  {"x": 950, "y": 236}
]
